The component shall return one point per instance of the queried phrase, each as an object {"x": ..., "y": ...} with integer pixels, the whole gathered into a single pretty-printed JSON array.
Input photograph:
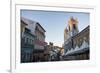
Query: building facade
[
  {"x": 40, "y": 43},
  {"x": 76, "y": 45},
  {"x": 32, "y": 41},
  {"x": 27, "y": 43}
]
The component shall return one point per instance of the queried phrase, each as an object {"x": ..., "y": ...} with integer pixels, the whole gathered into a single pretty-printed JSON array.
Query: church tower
[
  {"x": 73, "y": 26},
  {"x": 65, "y": 34}
]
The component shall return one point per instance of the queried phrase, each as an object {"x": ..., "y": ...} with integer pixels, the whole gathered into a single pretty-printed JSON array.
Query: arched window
[{"x": 74, "y": 26}]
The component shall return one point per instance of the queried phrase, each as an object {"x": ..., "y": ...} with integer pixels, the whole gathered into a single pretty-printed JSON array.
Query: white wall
[
  {"x": 5, "y": 36},
  {"x": 31, "y": 24}
]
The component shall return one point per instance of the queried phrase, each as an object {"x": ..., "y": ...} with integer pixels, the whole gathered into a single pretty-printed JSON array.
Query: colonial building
[
  {"x": 33, "y": 41},
  {"x": 40, "y": 43},
  {"x": 76, "y": 44},
  {"x": 27, "y": 43}
]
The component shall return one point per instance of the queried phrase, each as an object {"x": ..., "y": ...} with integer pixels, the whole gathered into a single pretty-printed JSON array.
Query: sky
[{"x": 55, "y": 22}]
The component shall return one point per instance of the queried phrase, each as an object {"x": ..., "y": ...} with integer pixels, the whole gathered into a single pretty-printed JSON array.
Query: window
[
  {"x": 32, "y": 41},
  {"x": 23, "y": 40},
  {"x": 69, "y": 28},
  {"x": 74, "y": 26},
  {"x": 26, "y": 40}
]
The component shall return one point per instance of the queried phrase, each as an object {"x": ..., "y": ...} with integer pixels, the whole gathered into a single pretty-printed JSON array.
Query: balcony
[{"x": 40, "y": 44}]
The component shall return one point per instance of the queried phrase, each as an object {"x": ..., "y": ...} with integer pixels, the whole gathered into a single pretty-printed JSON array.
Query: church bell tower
[{"x": 73, "y": 26}]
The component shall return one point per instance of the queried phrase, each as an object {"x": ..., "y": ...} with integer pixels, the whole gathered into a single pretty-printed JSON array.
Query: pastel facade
[{"x": 34, "y": 40}]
